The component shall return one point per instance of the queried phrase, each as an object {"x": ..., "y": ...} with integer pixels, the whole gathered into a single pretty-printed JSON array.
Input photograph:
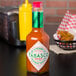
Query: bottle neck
[
  {"x": 37, "y": 19},
  {"x": 37, "y": 29}
]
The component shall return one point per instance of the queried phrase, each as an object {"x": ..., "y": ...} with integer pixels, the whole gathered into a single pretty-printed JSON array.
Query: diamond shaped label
[{"x": 38, "y": 55}]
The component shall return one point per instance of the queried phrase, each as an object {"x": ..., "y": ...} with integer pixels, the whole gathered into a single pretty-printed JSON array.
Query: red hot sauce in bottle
[{"x": 37, "y": 43}]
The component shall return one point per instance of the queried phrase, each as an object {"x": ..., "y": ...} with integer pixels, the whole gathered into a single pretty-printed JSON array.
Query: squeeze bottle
[{"x": 25, "y": 20}]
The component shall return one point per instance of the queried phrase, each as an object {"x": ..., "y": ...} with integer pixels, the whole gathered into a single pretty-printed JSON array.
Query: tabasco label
[{"x": 38, "y": 55}]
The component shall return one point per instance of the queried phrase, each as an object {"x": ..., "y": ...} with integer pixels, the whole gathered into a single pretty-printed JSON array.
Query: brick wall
[{"x": 54, "y": 11}]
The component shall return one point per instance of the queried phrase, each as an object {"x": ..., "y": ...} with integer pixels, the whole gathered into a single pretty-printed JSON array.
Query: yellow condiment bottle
[{"x": 25, "y": 20}]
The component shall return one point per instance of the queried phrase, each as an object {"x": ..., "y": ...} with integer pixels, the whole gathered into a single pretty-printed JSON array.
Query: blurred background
[{"x": 54, "y": 11}]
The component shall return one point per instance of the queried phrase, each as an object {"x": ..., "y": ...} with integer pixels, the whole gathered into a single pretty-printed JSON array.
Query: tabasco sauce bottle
[{"x": 37, "y": 43}]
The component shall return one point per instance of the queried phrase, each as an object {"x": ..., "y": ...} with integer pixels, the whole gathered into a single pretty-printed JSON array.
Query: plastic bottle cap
[
  {"x": 26, "y": 1},
  {"x": 37, "y": 4},
  {"x": 26, "y": 6}
]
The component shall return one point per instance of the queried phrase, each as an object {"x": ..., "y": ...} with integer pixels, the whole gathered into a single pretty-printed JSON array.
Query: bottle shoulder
[
  {"x": 47, "y": 35},
  {"x": 38, "y": 35}
]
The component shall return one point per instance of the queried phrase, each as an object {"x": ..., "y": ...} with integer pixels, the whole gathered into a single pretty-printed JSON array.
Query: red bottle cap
[{"x": 37, "y": 4}]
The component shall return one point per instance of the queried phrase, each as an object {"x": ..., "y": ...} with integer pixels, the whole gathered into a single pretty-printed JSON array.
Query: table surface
[{"x": 13, "y": 63}]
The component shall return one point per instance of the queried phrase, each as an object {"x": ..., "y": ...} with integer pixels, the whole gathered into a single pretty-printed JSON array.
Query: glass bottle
[{"x": 37, "y": 43}]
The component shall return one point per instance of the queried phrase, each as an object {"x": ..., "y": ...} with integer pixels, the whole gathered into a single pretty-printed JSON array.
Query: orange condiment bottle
[{"x": 37, "y": 43}]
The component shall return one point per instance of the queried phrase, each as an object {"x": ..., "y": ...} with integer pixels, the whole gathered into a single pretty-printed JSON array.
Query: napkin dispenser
[{"x": 9, "y": 26}]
